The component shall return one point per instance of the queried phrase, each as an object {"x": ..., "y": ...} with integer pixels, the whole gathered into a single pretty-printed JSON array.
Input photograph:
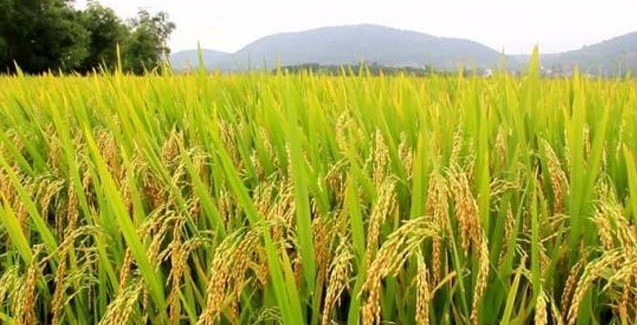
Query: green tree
[
  {"x": 41, "y": 35},
  {"x": 6, "y": 8},
  {"x": 147, "y": 45},
  {"x": 106, "y": 31}
]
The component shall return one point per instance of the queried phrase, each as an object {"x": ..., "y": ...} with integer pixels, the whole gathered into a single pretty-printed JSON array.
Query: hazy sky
[{"x": 513, "y": 25}]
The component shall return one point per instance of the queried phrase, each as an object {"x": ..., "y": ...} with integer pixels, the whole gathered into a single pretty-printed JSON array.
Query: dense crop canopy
[{"x": 314, "y": 199}]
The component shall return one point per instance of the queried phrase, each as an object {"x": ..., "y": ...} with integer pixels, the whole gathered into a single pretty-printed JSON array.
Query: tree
[
  {"x": 106, "y": 31},
  {"x": 68, "y": 39},
  {"x": 6, "y": 8},
  {"x": 41, "y": 35},
  {"x": 147, "y": 45}
]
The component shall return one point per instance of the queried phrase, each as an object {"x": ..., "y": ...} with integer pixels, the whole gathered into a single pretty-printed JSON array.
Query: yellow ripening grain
[{"x": 243, "y": 199}]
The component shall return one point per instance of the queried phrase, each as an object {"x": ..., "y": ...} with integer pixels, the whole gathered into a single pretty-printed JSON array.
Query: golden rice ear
[
  {"x": 406, "y": 154},
  {"x": 591, "y": 273},
  {"x": 559, "y": 181},
  {"x": 228, "y": 269},
  {"x": 541, "y": 313},
  {"x": 339, "y": 275},
  {"x": 466, "y": 209},
  {"x": 481, "y": 281},
  {"x": 121, "y": 308},
  {"x": 380, "y": 211},
  {"x": 509, "y": 225},
  {"x": 381, "y": 159},
  {"x": 178, "y": 255},
  {"x": 393, "y": 254},
  {"x": 437, "y": 206},
  {"x": 424, "y": 293},
  {"x": 322, "y": 239},
  {"x": 626, "y": 300},
  {"x": 26, "y": 313},
  {"x": 456, "y": 148},
  {"x": 569, "y": 286}
]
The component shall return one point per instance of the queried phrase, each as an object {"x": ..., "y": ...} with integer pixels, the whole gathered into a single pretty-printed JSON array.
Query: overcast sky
[{"x": 513, "y": 26}]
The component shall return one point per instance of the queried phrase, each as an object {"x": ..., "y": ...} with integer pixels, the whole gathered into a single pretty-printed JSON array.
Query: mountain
[
  {"x": 353, "y": 44},
  {"x": 189, "y": 58},
  {"x": 611, "y": 57},
  {"x": 402, "y": 48}
]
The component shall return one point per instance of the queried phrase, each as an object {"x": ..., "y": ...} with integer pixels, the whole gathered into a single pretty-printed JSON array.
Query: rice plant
[{"x": 305, "y": 199}]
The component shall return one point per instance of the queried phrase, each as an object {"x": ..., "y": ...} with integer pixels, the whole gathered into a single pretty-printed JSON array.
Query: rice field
[{"x": 302, "y": 199}]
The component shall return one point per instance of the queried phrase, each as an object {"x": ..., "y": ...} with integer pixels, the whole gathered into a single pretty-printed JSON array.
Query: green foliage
[
  {"x": 50, "y": 35},
  {"x": 371, "y": 69},
  {"x": 146, "y": 47},
  {"x": 41, "y": 35},
  {"x": 107, "y": 31}
]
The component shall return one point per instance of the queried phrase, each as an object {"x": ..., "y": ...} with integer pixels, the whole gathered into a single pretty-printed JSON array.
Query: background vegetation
[
  {"x": 51, "y": 35},
  {"x": 374, "y": 69}
]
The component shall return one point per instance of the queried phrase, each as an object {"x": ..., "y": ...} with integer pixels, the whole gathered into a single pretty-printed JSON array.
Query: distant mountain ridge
[
  {"x": 350, "y": 44},
  {"x": 611, "y": 57},
  {"x": 375, "y": 44}
]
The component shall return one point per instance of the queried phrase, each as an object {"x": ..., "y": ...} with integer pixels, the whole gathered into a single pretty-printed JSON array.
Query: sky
[{"x": 511, "y": 26}]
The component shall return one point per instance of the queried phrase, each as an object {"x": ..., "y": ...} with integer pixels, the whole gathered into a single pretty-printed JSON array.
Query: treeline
[
  {"x": 51, "y": 35},
  {"x": 373, "y": 69}
]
